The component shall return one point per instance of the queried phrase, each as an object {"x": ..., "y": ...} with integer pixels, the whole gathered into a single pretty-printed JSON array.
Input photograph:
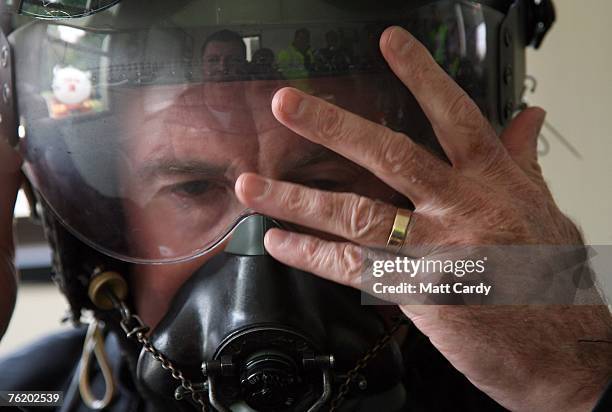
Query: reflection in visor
[
  {"x": 135, "y": 136},
  {"x": 62, "y": 9}
]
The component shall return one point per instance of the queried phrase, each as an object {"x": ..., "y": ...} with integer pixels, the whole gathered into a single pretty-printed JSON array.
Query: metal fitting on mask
[{"x": 104, "y": 286}]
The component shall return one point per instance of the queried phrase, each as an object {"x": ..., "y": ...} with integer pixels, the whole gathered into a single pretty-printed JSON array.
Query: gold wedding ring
[{"x": 400, "y": 228}]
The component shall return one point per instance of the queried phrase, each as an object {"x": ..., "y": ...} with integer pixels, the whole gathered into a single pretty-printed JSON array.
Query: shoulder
[{"x": 56, "y": 355}]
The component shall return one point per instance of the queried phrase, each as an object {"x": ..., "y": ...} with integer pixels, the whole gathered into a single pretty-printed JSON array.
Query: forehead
[
  {"x": 192, "y": 129},
  {"x": 225, "y": 121},
  {"x": 217, "y": 47}
]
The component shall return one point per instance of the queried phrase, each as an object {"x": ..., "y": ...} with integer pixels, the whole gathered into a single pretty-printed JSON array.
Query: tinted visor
[
  {"x": 62, "y": 9},
  {"x": 135, "y": 125}
]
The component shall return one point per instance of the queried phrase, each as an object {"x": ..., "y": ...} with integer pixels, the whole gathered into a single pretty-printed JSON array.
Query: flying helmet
[{"x": 135, "y": 118}]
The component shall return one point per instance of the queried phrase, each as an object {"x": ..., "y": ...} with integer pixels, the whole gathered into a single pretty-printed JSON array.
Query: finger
[
  {"x": 355, "y": 218},
  {"x": 463, "y": 132},
  {"x": 521, "y": 142},
  {"x": 344, "y": 263},
  {"x": 350, "y": 216},
  {"x": 520, "y": 138},
  {"x": 336, "y": 261},
  {"x": 393, "y": 157}
]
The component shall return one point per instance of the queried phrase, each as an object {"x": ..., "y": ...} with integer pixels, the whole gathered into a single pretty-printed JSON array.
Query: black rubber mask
[{"x": 254, "y": 334}]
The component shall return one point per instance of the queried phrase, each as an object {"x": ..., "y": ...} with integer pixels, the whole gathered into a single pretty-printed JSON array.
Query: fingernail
[
  {"x": 275, "y": 238},
  {"x": 399, "y": 40},
  {"x": 254, "y": 186},
  {"x": 291, "y": 103}
]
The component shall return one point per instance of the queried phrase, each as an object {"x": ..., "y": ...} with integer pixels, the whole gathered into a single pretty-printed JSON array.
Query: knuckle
[
  {"x": 310, "y": 250},
  {"x": 463, "y": 115},
  {"x": 395, "y": 154},
  {"x": 330, "y": 123},
  {"x": 361, "y": 217},
  {"x": 350, "y": 263},
  {"x": 419, "y": 240},
  {"x": 493, "y": 161},
  {"x": 293, "y": 201},
  {"x": 482, "y": 148},
  {"x": 327, "y": 205}
]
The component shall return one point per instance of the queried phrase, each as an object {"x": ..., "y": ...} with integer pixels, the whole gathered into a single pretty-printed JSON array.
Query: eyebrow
[
  {"x": 173, "y": 167},
  {"x": 320, "y": 155}
]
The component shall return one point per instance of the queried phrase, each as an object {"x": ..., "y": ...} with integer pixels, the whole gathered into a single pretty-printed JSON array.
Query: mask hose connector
[{"x": 106, "y": 289}]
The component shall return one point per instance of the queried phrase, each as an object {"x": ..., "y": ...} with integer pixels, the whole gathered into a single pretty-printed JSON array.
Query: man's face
[
  {"x": 223, "y": 60},
  {"x": 302, "y": 41},
  {"x": 185, "y": 159},
  {"x": 332, "y": 39}
]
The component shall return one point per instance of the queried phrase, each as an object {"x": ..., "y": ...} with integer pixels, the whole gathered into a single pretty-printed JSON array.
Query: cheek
[
  {"x": 154, "y": 286},
  {"x": 163, "y": 277}
]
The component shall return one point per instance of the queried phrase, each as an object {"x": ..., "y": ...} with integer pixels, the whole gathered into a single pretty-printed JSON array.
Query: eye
[
  {"x": 235, "y": 60},
  {"x": 193, "y": 188},
  {"x": 212, "y": 59}
]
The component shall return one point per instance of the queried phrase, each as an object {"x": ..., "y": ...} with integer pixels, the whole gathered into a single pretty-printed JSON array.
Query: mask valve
[{"x": 269, "y": 380}]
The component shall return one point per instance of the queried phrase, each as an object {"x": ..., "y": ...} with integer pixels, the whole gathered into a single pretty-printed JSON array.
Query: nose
[{"x": 226, "y": 66}]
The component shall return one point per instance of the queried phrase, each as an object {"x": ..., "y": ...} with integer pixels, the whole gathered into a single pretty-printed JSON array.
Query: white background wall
[{"x": 574, "y": 72}]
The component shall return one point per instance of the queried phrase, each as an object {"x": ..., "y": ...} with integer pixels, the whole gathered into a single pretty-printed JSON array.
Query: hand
[
  {"x": 10, "y": 179},
  {"x": 492, "y": 193}
]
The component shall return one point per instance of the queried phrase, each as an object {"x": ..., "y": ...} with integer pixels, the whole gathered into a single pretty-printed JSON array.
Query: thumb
[{"x": 520, "y": 138}]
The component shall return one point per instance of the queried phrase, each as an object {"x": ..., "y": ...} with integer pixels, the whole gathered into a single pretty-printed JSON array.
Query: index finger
[
  {"x": 464, "y": 133},
  {"x": 393, "y": 157}
]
